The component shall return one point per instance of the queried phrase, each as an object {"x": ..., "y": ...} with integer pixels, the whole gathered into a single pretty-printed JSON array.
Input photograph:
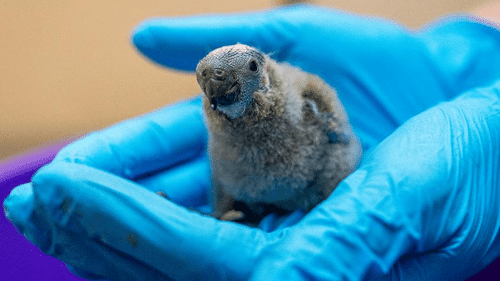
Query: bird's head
[{"x": 229, "y": 76}]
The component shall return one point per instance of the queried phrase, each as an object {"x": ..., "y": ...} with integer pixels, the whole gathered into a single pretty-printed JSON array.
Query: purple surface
[
  {"x": 23, "y": 261},
  {"x": 19, "y": 259}
]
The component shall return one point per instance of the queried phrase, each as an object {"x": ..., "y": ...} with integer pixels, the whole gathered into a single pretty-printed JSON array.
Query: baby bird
[{"x": 279, "y": 138}]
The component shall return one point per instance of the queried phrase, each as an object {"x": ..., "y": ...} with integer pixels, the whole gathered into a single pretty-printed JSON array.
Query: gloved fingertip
[
  {"x": 273, "y": 222},
  {"x": 172, "y": 43},
  {"x": 268, "y": 223},
  {"x": 46, "y": 181},
  {"x": 18, "y": 206},
  {"x": 205, "y": 209},
  {"x": 292, "y": 219},
  {"x": 142, "y": 38}
]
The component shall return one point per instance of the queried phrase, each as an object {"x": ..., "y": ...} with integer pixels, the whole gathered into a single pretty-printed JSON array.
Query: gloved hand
[{"x": 423, "y": 205}]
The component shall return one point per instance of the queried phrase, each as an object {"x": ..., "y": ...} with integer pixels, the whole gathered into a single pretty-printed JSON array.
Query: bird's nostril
[{"x": 219, "y": 74}]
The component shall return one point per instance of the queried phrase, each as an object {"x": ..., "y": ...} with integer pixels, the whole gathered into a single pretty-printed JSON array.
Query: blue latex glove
[{"x": 422, "y": 206}]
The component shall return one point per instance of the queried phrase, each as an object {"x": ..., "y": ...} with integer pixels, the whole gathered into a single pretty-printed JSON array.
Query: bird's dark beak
[{"x": 220, "y": 87}]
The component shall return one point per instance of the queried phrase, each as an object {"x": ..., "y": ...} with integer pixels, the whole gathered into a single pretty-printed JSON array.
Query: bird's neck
[{"x": 262, "y": 119}]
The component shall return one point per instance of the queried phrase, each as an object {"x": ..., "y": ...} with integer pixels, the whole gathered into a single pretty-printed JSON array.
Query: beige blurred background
[{"x": 67, "y": 67}]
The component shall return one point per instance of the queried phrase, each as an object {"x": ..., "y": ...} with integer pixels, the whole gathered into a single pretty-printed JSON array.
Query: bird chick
[{"x": 279, "y": 138}]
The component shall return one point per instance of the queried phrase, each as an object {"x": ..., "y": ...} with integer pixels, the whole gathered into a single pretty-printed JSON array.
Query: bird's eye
[{"x": 253, "y": 65}]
